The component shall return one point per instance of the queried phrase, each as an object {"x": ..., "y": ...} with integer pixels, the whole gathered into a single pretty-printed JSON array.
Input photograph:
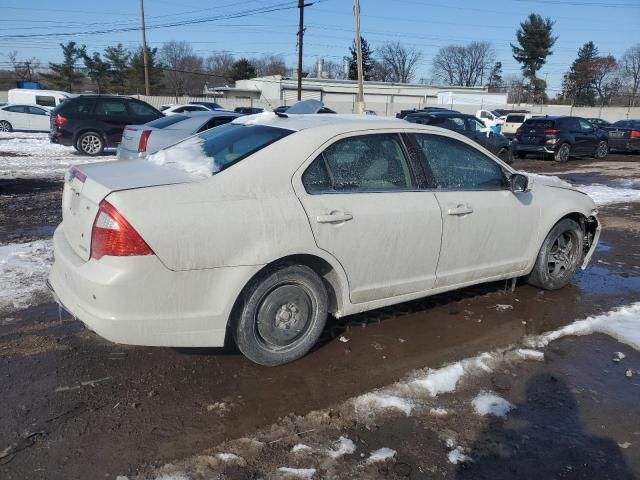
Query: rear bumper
[
  {"x": 125, "y": 154},
  {"x": 624, "y": 144},
  {"x": 138, "y": 301},
  {"x": 519, "y": 148},
  {"x": 61, "y": 138}
]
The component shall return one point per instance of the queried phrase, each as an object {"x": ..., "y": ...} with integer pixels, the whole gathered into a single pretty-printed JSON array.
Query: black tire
[
  {"x": 5, "y": 126},
  {"x": 90, "y": 143},
  {"x": 266, "y": 329},
  {"x": 559, "y": 256},
  {"x": 602, "y": 150},
  {"x": 563, "y": 153},
  {"x": 505, "y": 155},
  {"x": 521, "y": 155}
]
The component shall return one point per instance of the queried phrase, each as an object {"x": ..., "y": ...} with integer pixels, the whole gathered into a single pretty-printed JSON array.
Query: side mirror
[{"x": 519, "y": 183}]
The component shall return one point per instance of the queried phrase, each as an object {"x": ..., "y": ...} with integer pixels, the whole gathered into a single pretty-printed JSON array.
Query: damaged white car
[{"x": 265, "y": 226}]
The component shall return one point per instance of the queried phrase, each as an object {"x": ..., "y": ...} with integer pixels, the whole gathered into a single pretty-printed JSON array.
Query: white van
[
  {"x": 514, "y": 121},
  {"x": 44, "y": 98},
  {"x": 489, "y": 118}
]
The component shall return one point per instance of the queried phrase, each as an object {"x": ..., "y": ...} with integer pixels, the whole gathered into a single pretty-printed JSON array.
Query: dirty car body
[{"x": 256, "y": 227}]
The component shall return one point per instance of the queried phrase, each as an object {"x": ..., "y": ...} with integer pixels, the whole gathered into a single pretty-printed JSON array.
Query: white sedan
[
  {"x": 266, "y": 226},
  {"x": 24, "y": 117}
]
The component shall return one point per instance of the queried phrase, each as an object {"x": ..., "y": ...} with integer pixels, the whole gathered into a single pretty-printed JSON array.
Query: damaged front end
[{"x": 591, "y": 227}]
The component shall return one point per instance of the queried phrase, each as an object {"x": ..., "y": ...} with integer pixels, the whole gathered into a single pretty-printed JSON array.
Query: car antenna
[{"x": 281, "y": 114}]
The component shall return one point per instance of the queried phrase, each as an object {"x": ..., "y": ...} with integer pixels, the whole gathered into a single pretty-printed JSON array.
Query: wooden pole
[
  {"x": 356, "y": 11},
  {"x": 145, "y": 60}
]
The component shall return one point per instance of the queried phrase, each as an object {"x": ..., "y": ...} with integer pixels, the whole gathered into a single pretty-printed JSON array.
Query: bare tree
[
  {"x": 464, "y": 65},
  {"x": 382, "y": 72},
  {"x": 219, "y": 65},
  {"x": 630, "y": 72},
  {"x": 402, "y": 61},
  {"x": 184, "y": 68},
  {"x": 270, "y": 65},
  {"x": 332, "y": 69},
  {"x": 24, "y": 69},
  {"x": 605, "y": 81}
]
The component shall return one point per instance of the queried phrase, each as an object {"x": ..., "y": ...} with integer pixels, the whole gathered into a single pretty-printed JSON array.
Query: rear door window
[
  {"x": 16, "y": 109},
  {"x": 111, "y": 108},
  {"x": 37, "y": 111},
  {"x": 139, "y": 109},
  {"x": 46, "y": 100},
  {"x": 458, "y": 166},
  {"x": 515, "y": 119},
  {"x": 80, "y": 106}
]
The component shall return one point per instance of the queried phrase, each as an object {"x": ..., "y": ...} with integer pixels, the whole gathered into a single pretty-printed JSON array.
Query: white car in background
[
  {"x": 265, "y": 226},
  {"x": 24, "y": 117},
  {"x": 185, "y": 109},
  {"x": 141, "y": 140},
  {"x": 490, "y": 118},
  {"x": 514, "y": 121}
]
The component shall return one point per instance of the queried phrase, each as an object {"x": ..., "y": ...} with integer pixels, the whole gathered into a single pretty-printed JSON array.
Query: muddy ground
[{"x": 76, "y": 406}]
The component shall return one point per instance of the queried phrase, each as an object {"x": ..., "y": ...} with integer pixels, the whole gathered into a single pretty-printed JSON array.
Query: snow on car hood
[
  {"x": 548, "y": 181},
  {"x": 188, "y": 156}
]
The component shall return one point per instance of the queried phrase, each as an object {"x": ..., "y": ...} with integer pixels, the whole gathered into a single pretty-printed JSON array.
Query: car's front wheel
[
  {"x": 5, "y": 126},
  {"x": 282, "y": 315},
  {"x": 559, "y": 256},
  {"x": 562, "y": 155},
  {"x": 90, "y": 143},
  {"x": 601, "y": 151}
]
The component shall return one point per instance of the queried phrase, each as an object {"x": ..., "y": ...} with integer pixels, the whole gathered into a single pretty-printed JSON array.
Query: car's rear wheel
[
  {"x": 563, "y": 153},
  {"x": 90, "y": 143},
  {"x": 601, "y": 151},
  {"x": 559, "y": 256},
  {"x": 505, "y": 155},
  {"x": 282, "y": 315},
  {"x": 521, "y": 155},
  {"x": 5, "y": 126}
]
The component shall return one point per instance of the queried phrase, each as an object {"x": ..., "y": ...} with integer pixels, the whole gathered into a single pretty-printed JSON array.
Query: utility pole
[
  {"x": 356, "y": 12},
  {"x": 301, "y": 6},
  {"x": 144, "y": 51}
]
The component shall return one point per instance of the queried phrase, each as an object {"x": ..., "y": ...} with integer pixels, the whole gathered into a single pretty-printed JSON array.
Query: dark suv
[
  {"x": 562, "y": 137},
  {"x": 469, "y": 126},
  {"x": 91, "y": 123}
]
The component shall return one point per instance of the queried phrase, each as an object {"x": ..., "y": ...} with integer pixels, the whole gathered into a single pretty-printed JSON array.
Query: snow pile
[
  {"x": 529, "y": 354},
  {"x": 344, "y": 446},
  {"x": 228, "y": 457},
  {"x": 23, "y": 270},
  {"x": 457, "y": 456},
  {"x": 550, "y": 180},
  {"x": 305, "y": 473},
  {"x": 188, "y": 156},
  {"x": 374, "y": 402},
  {"x": 301, "y": 447},
  {"x": 487, "y": 403},
  {"x": 623, "y": 324},
  {"x": 604, "y": 195},
  {"x": 256, "y": 119},
  {"x": 382, "y": 455}
]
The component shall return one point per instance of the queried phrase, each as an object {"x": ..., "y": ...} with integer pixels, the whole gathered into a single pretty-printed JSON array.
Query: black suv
[
  {"x": 562, "y": 137},
  {"x": 469, "y": 126},
  {"x": 91, "y": 123}
]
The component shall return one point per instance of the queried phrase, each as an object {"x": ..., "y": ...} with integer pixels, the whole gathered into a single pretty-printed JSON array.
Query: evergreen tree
[
  {"x": 242, "y": 70},
  {"x": 535, "y": 40},
  {"x": 65, "y": 75},
  {"x": 118, "y": 58},
  {"x": 367, "y": 61},
  {"x": 135, "y": 73},
  {"x": 495, "y": 77},
  {"x": 97, "y": 70},
  {"x": 578, "y": 84}
]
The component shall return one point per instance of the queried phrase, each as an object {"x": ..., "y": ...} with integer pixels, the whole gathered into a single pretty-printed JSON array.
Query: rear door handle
[
  {"x": 334, "y": 217},
  {"x": 460, "y": 210}
]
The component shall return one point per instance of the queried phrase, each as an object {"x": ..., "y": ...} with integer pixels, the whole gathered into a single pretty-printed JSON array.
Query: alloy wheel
[
  {"x": 562, "y": 255},
  {"x": 91, "y": 144},
  {"x": 5, "y": 127}
]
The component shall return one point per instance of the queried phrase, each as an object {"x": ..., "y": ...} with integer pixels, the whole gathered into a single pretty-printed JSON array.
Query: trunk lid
[
  {"x": 131, "y": 136},
  {"x": 87, "y": 185}
]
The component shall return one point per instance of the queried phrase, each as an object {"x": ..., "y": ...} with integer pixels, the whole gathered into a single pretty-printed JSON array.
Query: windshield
[{"x": 218, "y": 148}]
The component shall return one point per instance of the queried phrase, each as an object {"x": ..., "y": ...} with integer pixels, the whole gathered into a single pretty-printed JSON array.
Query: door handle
[
  {"x": 334, "y": 217},
  {"x": 460, "y": 210}
]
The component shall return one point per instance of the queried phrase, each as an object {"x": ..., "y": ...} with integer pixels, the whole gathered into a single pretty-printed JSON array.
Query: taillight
[
  {"x": 113, "y": 235},
  {"x": 635, "y": 133},
  {"x": 59, "y": 120},
  {"x": 551, "y": 132},
  {"x": 144, "y": 139}
]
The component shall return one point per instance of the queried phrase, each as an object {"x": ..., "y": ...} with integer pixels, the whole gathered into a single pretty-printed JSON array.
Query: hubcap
[
  {"x": 564, "y": 153},
  {"x": 602, "y": 150},
  {"x": 4, "y": 127},
  {"x": 562, "y": 255},
  {"x": 91, "y": 144},
  {"x": 284, "y": 315}
]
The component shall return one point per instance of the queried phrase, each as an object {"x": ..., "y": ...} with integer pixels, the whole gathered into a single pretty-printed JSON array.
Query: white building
[{"x": 341, "y": 95}]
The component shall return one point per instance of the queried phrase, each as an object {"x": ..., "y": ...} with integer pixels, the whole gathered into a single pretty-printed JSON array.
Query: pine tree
[
  {"x": 97, "y": 70},
  {"x": 578, "y": 84},
  {"x": 242, "y": 70},
  {"x": 118, "y": 58},
  {"x": 495, "y": 77},
  {"x": 367, "y": 61},
  {"x": 135, "y": 73},
  {"x": 65, "y": 75}
]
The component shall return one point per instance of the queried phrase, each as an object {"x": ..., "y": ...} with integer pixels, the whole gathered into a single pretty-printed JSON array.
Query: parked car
[
  {"x": 308, "y": 107},
  {"x": 404, "y": 113},
  {"x": 624, "y": 135},
  {"x": 470, "y": 127},
  {"x": 185, "y": 109},
  {"x": 24, "y": 117},
  {"x": 140, "y": 140},
  {"x": 91, "y": 123},
  {"x": 490, "y": 118},
  {"x": 262, "y": 229},
  {"x": 44, "y": 98},
  {"x": 562, "y": 137},
  {"x": 513, "y": 121},
  {"x": 281, "y": 109},
  {"x": 599, "y": 122},
  {"x": 248, "y": 110},
  {"x": 209, "y": 105}
]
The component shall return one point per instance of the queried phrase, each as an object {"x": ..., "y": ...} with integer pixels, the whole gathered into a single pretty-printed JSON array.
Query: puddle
[
  {"x": 599, "y": 280},
  {"x": 603, "y": 247}
]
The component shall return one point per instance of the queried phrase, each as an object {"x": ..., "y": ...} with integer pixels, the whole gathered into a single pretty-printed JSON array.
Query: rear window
[
  {"x": 537, "y": 123},
  {"x": 218, "y": 148},
  {"x": 164, "y": 122},
  {"x": 45, "y": 101},
  {"x": 515, "y": 118}
]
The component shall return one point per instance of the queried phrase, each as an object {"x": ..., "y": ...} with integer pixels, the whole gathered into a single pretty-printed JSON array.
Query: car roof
[
  {"x": 438, "y": 113},
  {"x": 213, "y": 113}
]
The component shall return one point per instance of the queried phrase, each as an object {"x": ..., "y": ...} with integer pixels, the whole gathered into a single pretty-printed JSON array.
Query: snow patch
[
  {"x": 445, "y": 379},
  {"x": 503, "y": 308},
  {"x": 301, "y": 447},
  {"x": 344, "y": 446},
  {"x": 176, "y": 476},
  {"x": 228, "y": 457},
  {"x": 306, "y": 473},
  {"x": 487, "y": 403},
  {"x": 188, "y": 156},
  {"x": 457, "y": 456},
  {"x": 371, "y": 402},
  {"x": 381, "y": 455},
  {"x": 257, "y": 119},
  {"x": 439, "y": 412},
  {"x": 605, "y": 195},
  {"x": 23, "y": 270},
  {"x": 530, "y": 354}
]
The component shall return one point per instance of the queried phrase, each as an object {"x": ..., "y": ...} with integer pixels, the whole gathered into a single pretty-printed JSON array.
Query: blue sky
[{"x": 424, "y": 24}]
